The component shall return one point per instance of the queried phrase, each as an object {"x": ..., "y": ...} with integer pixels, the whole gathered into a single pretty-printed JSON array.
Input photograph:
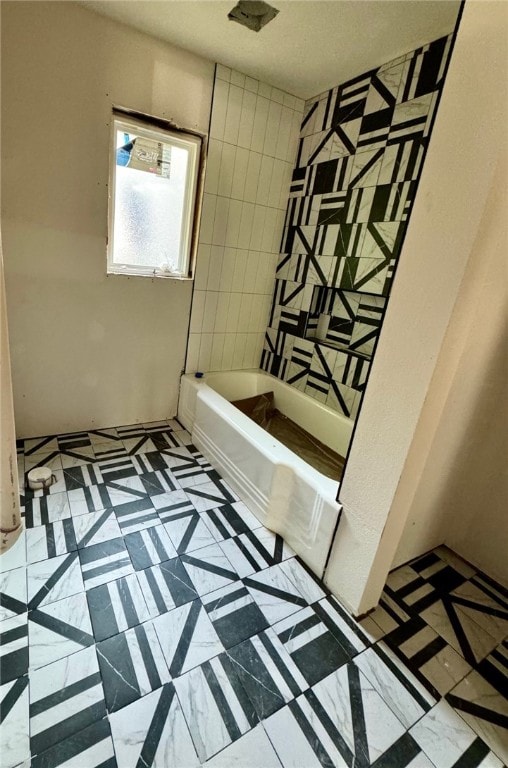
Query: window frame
[{"x": 159, "y": 129}]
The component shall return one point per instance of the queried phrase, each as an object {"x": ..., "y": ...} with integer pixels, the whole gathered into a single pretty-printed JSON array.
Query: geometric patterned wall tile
[
  {"x": 367, "y": 324},
  {"x": 360, "y": 151}
]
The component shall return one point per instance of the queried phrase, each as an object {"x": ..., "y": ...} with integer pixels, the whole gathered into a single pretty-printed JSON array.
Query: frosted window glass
[
  {"x": 148, "y": 217},
  {"x": 154, "y": 184}
]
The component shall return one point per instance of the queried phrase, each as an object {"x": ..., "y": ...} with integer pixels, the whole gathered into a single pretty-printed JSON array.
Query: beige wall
[
  {"x": 87, "y": 350},
  {"x": 394, "y": 431},
  {"x": 462, "y": 497},
  {"x": 9, "y": 495}
]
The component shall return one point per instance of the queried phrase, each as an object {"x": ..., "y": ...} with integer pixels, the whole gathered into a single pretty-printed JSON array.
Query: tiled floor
[{"x": 147, "y": 619}]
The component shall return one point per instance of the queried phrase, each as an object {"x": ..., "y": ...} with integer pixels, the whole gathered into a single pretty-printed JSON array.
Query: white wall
[
  {"x": 253, "y": 141},
  {"x": 87, "y": 350},
  {"x": 390, "y": 446},
  {"x": 462, "y": 495}
]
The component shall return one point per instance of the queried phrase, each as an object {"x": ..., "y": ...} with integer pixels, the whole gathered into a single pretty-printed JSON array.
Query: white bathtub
[{"x": 284, "y": 492}]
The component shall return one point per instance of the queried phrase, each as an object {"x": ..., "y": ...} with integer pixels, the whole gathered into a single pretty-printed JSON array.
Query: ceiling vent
[{"x": 253, "y": 15}]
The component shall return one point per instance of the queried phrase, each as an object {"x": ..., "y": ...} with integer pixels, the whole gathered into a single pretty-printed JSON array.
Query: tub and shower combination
[{"x": 285, "y": 493}]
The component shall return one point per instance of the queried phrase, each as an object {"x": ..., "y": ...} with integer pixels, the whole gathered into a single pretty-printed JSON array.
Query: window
[{"x": 152, "y": 203}]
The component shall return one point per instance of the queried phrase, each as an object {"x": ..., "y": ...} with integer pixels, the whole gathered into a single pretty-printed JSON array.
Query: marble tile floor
[{"x": 148, "y": 619}]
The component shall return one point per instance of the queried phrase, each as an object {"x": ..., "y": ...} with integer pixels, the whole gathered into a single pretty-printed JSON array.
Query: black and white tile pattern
[
  {"x": 360, "y": 151},
  {"x": 157, "y": 623},
  {"x": 132, "y": 664}
]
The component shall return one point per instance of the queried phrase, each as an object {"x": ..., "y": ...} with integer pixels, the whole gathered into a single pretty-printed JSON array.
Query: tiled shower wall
[
  {"x": 253, "y": 141},
  {"x": 360, "y": 150}
]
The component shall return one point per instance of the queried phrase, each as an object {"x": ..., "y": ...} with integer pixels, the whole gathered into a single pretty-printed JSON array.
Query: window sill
[{"x": 151, "y": 275}]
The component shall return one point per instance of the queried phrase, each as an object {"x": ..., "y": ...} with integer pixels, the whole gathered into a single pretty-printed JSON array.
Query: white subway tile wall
[{"x": 251, "y": 154}]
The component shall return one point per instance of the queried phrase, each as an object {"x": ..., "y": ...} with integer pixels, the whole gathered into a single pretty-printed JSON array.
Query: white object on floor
[{"x": 40, "y": 477}]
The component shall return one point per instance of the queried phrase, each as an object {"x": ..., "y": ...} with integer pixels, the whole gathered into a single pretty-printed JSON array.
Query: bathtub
[{"x": 285, "y": 493}]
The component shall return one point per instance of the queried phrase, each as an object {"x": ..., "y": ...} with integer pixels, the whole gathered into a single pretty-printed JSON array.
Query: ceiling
[{"x": 311, "y": 46}]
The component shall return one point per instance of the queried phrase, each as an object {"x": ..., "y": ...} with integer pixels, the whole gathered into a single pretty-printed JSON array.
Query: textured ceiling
[{"x": 309, "y": 47}]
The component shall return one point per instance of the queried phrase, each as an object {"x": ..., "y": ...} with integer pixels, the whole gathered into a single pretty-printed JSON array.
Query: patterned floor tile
[
  {"x": 103, "y": 437},
  {"x": 166, "y": 586},
  {"x": 92, "y": 747},
  {"x": 214, "y": 688},
  {"x": 132, "y": 665},
  {"x": 58, "y": 630},
  {"x": 234, "y": 614},
  {"x": 303, "y": 734},
  {"x": 187, "y": 468},
  {"x": 267, "y": 672},
  {"x": 65, "y": 697},
  {"x": 404, "y": 695},
  {"x": 13, "y": 593},
  {"x": 357, "y": 720},
  {"x": 455, "y": 561},
  {"x": 82, "y": 476},
  {"x": 490, "y": 587},
  {"x": 54, "y": 579},
  {"x": 230, "y": 520},
  {"x": 40, "y": 444},
  {"x": 50, "y": 460},
  {"x": 209, "y": 495},
  {"x": 74, "y": 441},
  {"x": 130, "y": 431},
  {"x": 183, "y": 437},
  {"x": 186, "y": 529},
  {"x": 455, "y": 625},
  {"x": 306, "y": 583},
  {"x": 136, "y": 515},
  {"x": 372, "y": 631},
  {"x": 104, "y": 562},
  {"x": 494, "y": 668},
  {"x": 275, "y": 594},
  {"x": 255, "y": 550},
  {"x": 155, "y": 461},
  {"x": 15, "y": 557},
  {"x": 448, "y": 741},
  {"x": 207, "y": 622},
  {"x": 444, "y": 669},
  {"x": 14, "y": 721},
  {"x": 171, "y": 502},
  {"x": 483, "y": 704},
  {"x": 344, "y": 628},
  {"x": 301, "y": 739},
  {"x": 490, "y": 612},
  {"x": 316, "y": 651},
  {"x": 386, "y": 617},
  {"x": 50, "y": 540},
  {"x": 114, "y": 464},
  {"x": 140, "y": 443},
  {"x": 96, "y": 527},
  {"x": 77, "y": 457},
  {"x": 428, "y": 655},
  {"x": 13, "y": 648},
  {"x": 149, "y": 547},
  {"x": 48, "y": 508},
  {"x": 116, "y": 606},
  {"x": 187, "y": 637},
  {"x": 152, "y": 732},
  {"x": 84, "y": 500},
  {"x": 209, "y": 569},
  {"x": 240, "y": 752},
  {"x": 127, "y": 490},
  {"x": 157, "y": 482}
]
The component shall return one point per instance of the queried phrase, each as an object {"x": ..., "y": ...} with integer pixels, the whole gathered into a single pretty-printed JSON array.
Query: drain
[{"x": 253, "y": 15}]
